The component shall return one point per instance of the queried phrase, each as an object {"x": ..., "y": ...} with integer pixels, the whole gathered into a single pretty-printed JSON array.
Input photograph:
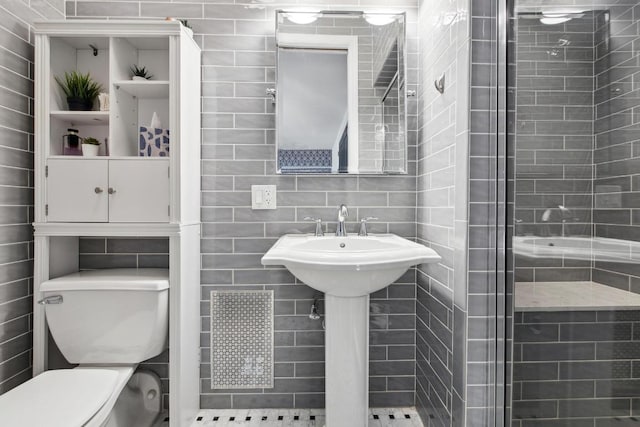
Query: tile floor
[{"x": 378, "y": 417}]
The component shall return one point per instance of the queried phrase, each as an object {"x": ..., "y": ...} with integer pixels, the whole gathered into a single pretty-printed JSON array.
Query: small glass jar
[{"x": 71, "y": 143}]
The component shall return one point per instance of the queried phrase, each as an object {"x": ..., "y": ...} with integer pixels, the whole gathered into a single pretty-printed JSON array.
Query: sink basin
[
  {"x": 347, "y": 270},
  {"x": 347, "y": 266}
]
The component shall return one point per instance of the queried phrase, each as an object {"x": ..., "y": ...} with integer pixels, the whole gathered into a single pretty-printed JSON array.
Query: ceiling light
[
  {"x": 379, "y": 18},
  {"x": 306, "y": 17}
]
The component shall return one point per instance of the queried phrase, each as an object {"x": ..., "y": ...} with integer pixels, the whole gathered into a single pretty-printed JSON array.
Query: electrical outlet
[{"x": 263, "y": 197}]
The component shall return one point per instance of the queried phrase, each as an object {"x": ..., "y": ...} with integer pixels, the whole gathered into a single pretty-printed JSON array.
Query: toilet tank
[{"x": 109, "y": 316}]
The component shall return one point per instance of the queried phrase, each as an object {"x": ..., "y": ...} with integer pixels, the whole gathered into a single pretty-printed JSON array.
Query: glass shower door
[{"x": 574, "y": 213}]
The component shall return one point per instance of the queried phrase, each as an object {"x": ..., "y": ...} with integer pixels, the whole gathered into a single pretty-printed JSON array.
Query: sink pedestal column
[{"x": 347, "y": 361}]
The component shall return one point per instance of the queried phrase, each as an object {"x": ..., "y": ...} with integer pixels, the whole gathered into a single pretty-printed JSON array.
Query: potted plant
[
  {"x": 139, "y": 73},
  {"x": 80, "y": 89},
  {"x": 90, "y": 147}
]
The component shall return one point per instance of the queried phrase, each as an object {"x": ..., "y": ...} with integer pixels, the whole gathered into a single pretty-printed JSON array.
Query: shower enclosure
[{"x": 573, "y": 212}]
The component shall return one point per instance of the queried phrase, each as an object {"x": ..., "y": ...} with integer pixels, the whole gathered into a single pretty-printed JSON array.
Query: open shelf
[
  {"x": 150, "y": 89},
  {"x": 82, "y": 117}
]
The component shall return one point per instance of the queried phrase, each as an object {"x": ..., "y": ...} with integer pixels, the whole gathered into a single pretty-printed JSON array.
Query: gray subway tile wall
[
  {"x": 601, "y": 192},
  {"x": 574, "y": 367},
  {"x": 238, "y": 43},
  {"x": 16, "y": 185},
  {"x": 615, "y": 184},
  {"x": 554, "y": 137},
  {"x": 484, "y": 282},
  {"x": 443, "y": 131}
]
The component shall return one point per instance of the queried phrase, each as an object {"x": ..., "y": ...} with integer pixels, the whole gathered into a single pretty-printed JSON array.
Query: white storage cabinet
[{"x": 119, "y": 193}]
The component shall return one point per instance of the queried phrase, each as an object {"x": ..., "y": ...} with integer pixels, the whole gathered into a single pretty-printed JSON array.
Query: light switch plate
[{"x": 263, "y": 197}]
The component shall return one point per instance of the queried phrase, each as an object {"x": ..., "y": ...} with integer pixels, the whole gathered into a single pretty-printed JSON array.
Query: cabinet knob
[
  {"x": 98, "y": 190},
  {"x": 112, "y": 190}
]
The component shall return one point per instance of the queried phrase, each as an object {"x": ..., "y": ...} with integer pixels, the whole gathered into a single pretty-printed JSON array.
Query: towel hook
[
  {"x": 95, "y": 49},
  {"x": 439, "y": 83},
  {"x": 272, "y": 93}
]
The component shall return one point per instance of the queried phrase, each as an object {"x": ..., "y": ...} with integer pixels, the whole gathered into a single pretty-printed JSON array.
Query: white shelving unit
[
  {"x": 122, "y": 194},
  {"x": 148, "y": 90}
]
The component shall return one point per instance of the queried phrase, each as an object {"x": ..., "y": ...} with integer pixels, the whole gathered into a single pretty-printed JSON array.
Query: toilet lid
[{"x": 59, "y": 398}]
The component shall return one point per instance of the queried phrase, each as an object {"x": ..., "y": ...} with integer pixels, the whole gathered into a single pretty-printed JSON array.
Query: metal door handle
[
  {"x": 112, "y": 190},
  {"x": 98, "y": 190}
]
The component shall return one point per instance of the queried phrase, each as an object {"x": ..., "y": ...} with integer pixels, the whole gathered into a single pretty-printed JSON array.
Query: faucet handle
[
  {"x": 318, "y": 222},
  {"x": 363, "y": 225},
  {"x": 343, "y": 211}
]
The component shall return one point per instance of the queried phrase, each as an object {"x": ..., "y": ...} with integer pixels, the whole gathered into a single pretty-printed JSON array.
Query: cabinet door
[
  {"x": 139, "y": 190},
  {"x": 77, "y": 190}
]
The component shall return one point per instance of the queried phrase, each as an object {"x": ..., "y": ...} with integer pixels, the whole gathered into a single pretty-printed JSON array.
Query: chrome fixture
[
  {"x": 439, "y": 83},
  {"x": 363, "y": 225},
  {"x": 343, "y": 214},
  {"x": 566, "y": 215},
  {"x": 272, "y": 93},
  {"x": 318, "y": 221},
  {"x": 411, "y": 94},
  {"x": 53, "y": 299},
  {"x": 314, "y": 315}
]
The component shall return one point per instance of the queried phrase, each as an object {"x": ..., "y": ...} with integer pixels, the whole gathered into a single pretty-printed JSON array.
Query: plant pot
[
  {"x": 79, "y": 104},
  {"x": 90, "y": 150},
  {"x": 139, "y": 78}
]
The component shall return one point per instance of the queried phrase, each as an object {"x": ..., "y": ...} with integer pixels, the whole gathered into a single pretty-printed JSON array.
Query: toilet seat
[
  {"x": 78, "y": 397},
  {"x": 59, "y": 398}
]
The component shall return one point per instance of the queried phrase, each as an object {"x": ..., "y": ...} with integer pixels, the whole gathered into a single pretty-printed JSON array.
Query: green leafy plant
[
  {"x": 78, "y": 85},
  {"x": 185, "y": 23},
  {"x": 140, "y": 72},
  {"x": 91, "y": 141}
]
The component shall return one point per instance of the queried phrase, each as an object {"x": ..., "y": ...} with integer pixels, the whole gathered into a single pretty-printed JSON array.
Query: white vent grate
[{"x": 241, "y": 339}]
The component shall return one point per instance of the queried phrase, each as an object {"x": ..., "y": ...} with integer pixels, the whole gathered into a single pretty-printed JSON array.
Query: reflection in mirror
[{"x": 340, "y": 93}]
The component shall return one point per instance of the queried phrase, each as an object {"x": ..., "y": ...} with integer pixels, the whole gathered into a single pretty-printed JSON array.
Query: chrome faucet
[
  {"x": 565, "y": 216},
  {"x": 363, "y": 225},
  {"x": 343, "y": 214},
  {"x": 318, "y": 221}
]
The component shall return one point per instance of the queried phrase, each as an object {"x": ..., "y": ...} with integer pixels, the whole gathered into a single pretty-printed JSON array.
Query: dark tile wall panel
[
  {"x": 485, "y": 247},
  {"x": 616, "y": 153},
  {"x": 611, "y": 192},
  {"x": 575, "y": 368},
  {"x": 238, "y": 150},
  {"x": 16, "y": 185},
  {"x": 554, "y": 137}
]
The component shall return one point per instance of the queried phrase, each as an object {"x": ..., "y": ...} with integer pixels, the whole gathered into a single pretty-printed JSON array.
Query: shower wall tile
[
  {"x": 16, "y": 185},
  {"x": 238, "y": 144},
  {"x": 554, "y": 136},
  {"x": 567, "y": 368},
  {"x": 616, "y": 125},
  {"x": 483, "y": 281}
]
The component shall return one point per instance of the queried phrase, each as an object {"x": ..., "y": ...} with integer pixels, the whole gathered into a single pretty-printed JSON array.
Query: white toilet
[{"x": 107, "y": 321}]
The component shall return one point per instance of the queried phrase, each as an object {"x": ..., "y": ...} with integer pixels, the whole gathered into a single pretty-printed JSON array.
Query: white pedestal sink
[{"x": 347, "y": 270}]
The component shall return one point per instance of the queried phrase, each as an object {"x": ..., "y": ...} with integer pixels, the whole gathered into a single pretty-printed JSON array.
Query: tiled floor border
[{"x": 378, "y": 417}]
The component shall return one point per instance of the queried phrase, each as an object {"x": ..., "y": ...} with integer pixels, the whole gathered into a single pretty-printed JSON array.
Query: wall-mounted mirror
[{"x": 340, "y": 93}]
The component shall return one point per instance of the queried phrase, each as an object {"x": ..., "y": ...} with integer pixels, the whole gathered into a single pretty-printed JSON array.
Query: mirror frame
[{"x": 350, "y": 44}]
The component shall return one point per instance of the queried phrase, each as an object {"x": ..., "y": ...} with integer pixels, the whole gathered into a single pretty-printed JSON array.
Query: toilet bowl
[{"x": 107, "y": 321}]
